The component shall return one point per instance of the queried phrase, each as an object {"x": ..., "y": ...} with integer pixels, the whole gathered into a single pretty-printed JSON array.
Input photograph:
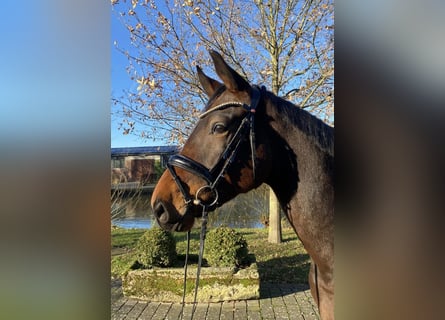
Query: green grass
[
  {"x": 286, "y": 262},
  {"x": 125, "y": 238}
]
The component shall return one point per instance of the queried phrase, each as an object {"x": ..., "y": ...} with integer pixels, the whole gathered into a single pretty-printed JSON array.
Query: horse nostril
[{"x": 160, "y": 213}]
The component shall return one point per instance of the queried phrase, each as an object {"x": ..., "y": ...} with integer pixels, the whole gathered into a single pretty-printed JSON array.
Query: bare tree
[{"x": 285, "y": 45}]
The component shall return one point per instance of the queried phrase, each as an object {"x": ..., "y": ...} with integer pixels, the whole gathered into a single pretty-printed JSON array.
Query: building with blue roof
[{"x": 139, "y": 166}]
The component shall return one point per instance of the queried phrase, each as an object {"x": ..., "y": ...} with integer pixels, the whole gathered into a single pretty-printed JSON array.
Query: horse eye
[{"x": 219, "y": 128}]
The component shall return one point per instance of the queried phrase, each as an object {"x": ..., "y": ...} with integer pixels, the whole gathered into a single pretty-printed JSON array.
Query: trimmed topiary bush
[
  {"x": 156, "y": 247},
  {"x": 225, "y": 248}
]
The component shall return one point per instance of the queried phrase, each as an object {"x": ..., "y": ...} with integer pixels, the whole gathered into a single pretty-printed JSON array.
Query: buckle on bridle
[{"x": 197, "y": 201}]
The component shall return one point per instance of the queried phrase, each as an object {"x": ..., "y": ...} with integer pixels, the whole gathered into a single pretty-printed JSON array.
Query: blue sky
[{"x": 120, "y": 81}]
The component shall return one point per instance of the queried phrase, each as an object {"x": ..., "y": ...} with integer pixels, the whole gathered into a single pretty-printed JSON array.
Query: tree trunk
[
  {"x": 274, "y": 206},
  {"x": 274, "y": 218}
]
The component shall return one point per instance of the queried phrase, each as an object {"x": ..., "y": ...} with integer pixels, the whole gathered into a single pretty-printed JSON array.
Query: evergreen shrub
[
  {"x": 225, "y": 248},
  {"x": 156, "y": 247}
]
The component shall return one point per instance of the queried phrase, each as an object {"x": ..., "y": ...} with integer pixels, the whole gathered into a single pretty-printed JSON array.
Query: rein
[
  {"x": 213, "y": 176},
  {"x": 198, "y": 272}
]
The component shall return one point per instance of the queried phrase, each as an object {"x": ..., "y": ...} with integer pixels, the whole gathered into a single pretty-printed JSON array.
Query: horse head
[{"x": 224, "y": 155}]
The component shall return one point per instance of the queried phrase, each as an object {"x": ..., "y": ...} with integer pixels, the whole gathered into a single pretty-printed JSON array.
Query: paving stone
[
  {"x": 149, "y": 310},
  {"x": 214, "y": 311},
  {"x": 161, "y": 311},
  {"x": 266, "y": 309},
  {"x": 200, "y": 311},
  {"x": 292, "y": 307},
  {"x": 278, "y": 302},
  {"x": 187, "y": 311},
  {"x": 116, "y": 305},
  {"x": 306, "y": 305},
  {"x": 253, "y": 310},
  {"x": 240, "y": 311},
  {"x": 124, "y": 309},
  {"x": 227, "y": 310},
  {"x": 296, "y": 315},
  {"x": 136, "y": 311},
  {"x": 174, "y": 312}
]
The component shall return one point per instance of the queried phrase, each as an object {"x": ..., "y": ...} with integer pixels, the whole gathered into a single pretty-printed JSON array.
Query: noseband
[{"x": 214, "y": 175}]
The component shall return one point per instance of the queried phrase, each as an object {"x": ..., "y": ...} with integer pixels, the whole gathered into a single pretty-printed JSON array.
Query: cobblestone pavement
[{"x": 277, "y": 301}]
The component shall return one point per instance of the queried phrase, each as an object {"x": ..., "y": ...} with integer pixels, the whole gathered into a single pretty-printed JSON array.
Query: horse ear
[
  {"x": 208, "y": 84},
  {"x": 232, "y": 80}
]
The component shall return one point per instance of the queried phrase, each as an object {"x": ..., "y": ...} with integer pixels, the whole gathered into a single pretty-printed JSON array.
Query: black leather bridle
[{"x": 213, "y": 176}]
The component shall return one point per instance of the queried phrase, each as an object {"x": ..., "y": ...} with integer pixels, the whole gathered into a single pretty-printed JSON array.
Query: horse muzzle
[{"x": 171, "y": 220}]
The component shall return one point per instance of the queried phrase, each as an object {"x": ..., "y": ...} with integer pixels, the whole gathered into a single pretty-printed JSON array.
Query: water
[
  {"x": 134, "y": 223},
  {"x": 245, "y": 211},
  {"x": 132, "y": 210}
]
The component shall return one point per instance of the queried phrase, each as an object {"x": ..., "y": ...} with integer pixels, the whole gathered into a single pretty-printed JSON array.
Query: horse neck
[{"x": 302, "y": 148}]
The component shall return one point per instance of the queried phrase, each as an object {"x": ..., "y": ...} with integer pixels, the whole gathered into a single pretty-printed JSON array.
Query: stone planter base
[{"x": 215, "y": 284}]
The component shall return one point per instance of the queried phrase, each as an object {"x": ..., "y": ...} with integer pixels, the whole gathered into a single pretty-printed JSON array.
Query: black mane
[{"x": 322, "y": 133}]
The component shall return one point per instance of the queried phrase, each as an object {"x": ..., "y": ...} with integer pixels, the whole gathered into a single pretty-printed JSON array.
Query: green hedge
[
  {"x": 156, "y": 247},
  {"x": 225, "y": 248}
]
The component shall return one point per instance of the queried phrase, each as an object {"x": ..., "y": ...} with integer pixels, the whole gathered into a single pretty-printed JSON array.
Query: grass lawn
[{"x": 286, "y": 262}]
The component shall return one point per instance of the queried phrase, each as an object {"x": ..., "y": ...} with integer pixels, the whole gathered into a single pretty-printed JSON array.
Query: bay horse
[{"x": 245, "y": 137}]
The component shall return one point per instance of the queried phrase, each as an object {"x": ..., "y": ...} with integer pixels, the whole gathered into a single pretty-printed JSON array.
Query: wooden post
[{"x": 274, "y": 218}]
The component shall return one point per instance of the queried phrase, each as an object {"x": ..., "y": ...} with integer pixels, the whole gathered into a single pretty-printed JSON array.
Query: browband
[
  {"x": 253, "y": 104},
  {"x": 222, "y": 106}
]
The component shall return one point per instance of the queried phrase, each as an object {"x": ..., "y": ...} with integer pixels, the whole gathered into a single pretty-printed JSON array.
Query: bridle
[{"x": 213, "y": 176}]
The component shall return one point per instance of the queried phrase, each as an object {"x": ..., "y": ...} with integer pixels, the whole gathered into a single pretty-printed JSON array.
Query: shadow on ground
[{"x": 290, "y": 272}]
